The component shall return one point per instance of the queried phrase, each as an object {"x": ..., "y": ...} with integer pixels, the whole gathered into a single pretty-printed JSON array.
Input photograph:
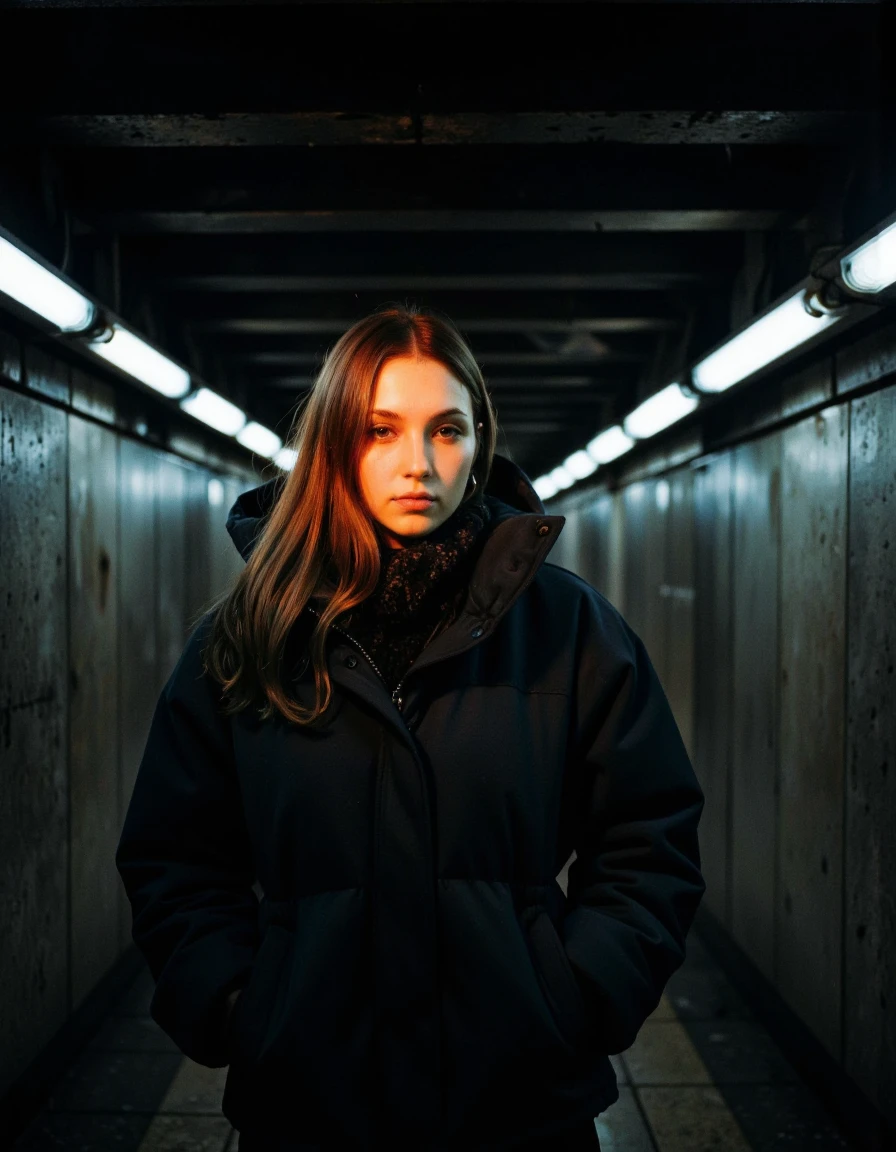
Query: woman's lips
[{"x": 414, "y": 505}]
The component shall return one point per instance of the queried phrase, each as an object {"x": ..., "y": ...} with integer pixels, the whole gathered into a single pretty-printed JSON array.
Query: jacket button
[
  {"x": 543, "y": 529},
  {"x": 476, "y": 633},
  {"x": 351, "y": 661}
]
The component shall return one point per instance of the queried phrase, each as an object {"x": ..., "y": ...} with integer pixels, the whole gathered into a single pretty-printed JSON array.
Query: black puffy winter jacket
[{"x": 414, "y": 976}]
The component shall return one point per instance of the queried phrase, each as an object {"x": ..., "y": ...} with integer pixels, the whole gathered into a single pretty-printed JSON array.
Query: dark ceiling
[{"x": 594, "y": 192}]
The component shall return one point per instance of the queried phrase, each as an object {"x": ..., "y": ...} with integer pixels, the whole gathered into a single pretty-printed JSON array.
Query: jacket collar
[{"x": 520, "y": 536}]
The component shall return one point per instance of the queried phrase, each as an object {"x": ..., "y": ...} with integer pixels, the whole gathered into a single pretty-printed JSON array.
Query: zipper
[{"x": 397, "y": 698}]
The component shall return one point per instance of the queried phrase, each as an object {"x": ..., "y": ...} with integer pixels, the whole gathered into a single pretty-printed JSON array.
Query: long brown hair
[{"x": 319, "y": 538}]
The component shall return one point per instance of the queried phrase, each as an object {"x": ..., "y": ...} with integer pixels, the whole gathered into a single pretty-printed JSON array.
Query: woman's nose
[{"x": 417, "y": 456}]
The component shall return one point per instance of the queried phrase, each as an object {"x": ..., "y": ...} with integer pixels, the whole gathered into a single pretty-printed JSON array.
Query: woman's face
[{"x": 420, "y": 438}]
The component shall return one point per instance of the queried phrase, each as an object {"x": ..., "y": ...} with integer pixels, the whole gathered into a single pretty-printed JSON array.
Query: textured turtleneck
[{"x": 419, "y": 590}]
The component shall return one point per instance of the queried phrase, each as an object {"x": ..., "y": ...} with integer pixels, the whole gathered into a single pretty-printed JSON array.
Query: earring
[{"x": 472, "y": 477}]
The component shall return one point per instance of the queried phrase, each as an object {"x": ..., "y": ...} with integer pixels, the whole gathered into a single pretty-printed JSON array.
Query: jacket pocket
[
  {"x": 555, "y": 975},
  {"x": 250, "y": 1018}
]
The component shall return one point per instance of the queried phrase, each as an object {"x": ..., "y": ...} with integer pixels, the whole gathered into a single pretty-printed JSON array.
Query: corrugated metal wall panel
[
  {"x": 94, "y": 568},
  {"x": 713, "y": 683},
  {"x": 34, "y": 846},
  {"x": 138, "y": 636},
  {"x": 757, "y": 475},
  {"x": 870, "y": 928},
  {"x": 810, "y": 818}
]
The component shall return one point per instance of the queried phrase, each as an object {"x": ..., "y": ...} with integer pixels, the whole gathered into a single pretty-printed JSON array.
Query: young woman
[{"x": 399, "y": 723}]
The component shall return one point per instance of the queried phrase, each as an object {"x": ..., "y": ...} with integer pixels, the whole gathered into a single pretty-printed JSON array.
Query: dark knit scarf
[{"x": 420, "y": 589}]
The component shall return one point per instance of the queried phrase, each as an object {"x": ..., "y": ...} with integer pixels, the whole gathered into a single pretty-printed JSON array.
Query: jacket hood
[{"x": 509, "y": 492}]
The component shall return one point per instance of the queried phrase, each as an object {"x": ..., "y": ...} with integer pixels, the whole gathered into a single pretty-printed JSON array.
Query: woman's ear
[{"x": 478, "y": 445}]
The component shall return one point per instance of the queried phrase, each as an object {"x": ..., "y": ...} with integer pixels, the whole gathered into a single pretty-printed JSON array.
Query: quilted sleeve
[
  {"x": 186, "y": 862},
  {"x": 635, "y": 885}
]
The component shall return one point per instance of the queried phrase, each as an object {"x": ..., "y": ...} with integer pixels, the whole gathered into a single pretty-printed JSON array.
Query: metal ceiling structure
[{"x": 594, "y": 192}]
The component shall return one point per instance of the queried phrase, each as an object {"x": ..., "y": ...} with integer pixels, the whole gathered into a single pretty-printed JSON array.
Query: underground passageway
[{"x": 667, "y": 232}]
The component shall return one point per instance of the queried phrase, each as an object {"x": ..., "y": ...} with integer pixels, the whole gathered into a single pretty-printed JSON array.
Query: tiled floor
[{"x": 702, "y": 1076}]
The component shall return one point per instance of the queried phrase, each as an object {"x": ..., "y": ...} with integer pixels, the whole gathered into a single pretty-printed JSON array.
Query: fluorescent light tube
[
  {"x": 872, "y": 267},
  {"x": 562, "y": 477},
  {"x": 42, "y": 291},
  {"x": 766, "y": 339},
  {"x": 215, "y": 411},
  {"x": 259, "y": 439},
  {"x": 609, "y": 444},
  {"x": 658, "y": 412},
  {"x": 580, "y": 464},
  {"x": 286, "y": 459},
  {"x": 132, "y": 355},
  {"x": 545, "y": 487}
]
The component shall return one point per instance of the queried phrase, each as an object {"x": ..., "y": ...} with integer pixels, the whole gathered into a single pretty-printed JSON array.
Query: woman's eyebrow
[{"x": 438, "y": 416}]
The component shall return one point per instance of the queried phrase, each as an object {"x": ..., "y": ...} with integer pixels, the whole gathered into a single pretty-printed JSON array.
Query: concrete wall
[
  {"x": 762, "y": 578},
  {"x": 108, "y": 546}
]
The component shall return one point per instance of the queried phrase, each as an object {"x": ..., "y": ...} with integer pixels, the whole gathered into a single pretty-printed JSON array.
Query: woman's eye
[{"x": 449, "y": 428}]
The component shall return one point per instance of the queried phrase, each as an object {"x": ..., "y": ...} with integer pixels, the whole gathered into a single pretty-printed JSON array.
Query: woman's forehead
[{"x": 412, "y": 385}]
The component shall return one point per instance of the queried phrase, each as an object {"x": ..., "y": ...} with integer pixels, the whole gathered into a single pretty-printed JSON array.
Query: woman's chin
[{"x": 414, "y": 527}]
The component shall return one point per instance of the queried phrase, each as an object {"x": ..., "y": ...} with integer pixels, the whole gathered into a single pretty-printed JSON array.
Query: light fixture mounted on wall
[
  {"x": 864, "y": 274},
  {"x": 837, "y": 287},
  {"x": 44, "y": 297},
  {"x": 788, "y": 324},
  {"x": 130, "y": 353},
  {"x": 38, "y": 290}
]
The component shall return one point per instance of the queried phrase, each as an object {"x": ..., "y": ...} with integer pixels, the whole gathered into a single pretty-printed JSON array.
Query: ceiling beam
[
  {"x": 576, "y": 177},
  {"x": 287, "y": 312},
  {"x": 148, "y": 221},
  {"x": 375, "y": 260},
  {"x": 126, "y": 59},
  {"x": 326, "y": 129},
  {"x": 402, "y": 283},
  {"x": 605, "y": 325},
  {"x": 310, "y": 348}
]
